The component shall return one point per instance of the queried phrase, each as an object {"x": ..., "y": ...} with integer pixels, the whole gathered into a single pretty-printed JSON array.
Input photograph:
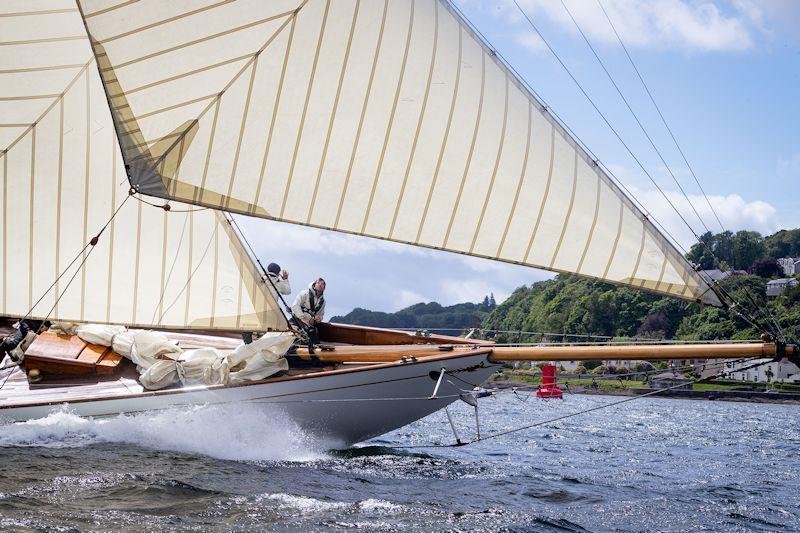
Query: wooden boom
[{"x": 390, "y": 353}]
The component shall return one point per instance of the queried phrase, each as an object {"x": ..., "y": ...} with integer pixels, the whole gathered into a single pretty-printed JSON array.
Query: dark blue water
[{"x": 652, "y": 464}]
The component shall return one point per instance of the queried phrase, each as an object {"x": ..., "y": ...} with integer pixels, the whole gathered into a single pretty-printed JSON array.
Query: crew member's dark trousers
[{"x": 311, "y": 330}]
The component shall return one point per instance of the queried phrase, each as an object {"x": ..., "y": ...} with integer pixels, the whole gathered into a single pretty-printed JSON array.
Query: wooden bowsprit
[{"x": 384, "y": 354}]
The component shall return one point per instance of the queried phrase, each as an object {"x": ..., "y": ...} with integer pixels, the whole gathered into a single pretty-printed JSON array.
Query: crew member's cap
[{"x": 274, "y": 268}]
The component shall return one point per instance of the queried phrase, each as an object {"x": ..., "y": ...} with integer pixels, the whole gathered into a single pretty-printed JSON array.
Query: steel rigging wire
[
  {"x": 633, "y": 113},
  {"x": 660, "y": 114},
  {"x": 768, "y": 316},
  {"x": 547, "y": 110},
  {"x": 749, "y": 317}
]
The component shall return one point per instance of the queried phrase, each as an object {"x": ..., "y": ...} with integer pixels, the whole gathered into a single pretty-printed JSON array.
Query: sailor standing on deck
[
  {"x": 279, "y": 282},
  {"x": 309, "y": 308}
]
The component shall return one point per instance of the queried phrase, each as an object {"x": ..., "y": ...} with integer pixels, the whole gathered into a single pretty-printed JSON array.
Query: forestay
[
  {"x": 62, "y": 180},
  {"x": 386, "y": 119}
]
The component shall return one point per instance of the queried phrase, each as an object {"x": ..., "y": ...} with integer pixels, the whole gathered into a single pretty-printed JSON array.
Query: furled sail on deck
[
  {"x": 385, "y": 119},
  {"x": 62, "y": 178}
]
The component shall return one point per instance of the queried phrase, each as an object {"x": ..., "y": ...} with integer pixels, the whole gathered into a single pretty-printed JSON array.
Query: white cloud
[
  {"x": 735, "y": 212},
  {"x": 403, "y": 298},
  {"x": 306, "y": 239},
  {"x": 690, "y": 25},
  {"x": 530, "y": 41}
]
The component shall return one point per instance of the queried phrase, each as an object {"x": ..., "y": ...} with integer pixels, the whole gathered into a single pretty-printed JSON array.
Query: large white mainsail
[
  {"x": 62, "y": 180},
  {"x": 386, "y": 119}
]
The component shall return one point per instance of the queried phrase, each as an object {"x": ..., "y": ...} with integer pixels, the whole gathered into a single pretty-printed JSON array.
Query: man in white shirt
[
  {"x": 279, "y": 278},
  {"x": 278, "y": 281}
]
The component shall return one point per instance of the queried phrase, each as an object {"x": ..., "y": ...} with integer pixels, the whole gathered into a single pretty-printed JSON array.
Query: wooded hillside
[
  {"x": 568, "y": 304},
  {"x": 572, "y": 305}
]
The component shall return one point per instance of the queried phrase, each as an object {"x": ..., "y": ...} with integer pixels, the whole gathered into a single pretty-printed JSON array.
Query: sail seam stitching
[
  {"x": 309, "y": 90},
  {"x": 390, "y": 125},
  {"x": 30, "y": 217},
  {"x": 109, "y": 9},
  {"x": 164, "y": 21},
  {"x": 470, "y": 154},
  {"x": 545, "y": 195},
  {"x": 334, "y": 111},
  {"x": 420, "y": 120},
  {"x": 233, "y": 80},
  {"x": 590, "y": 236},
  {"x": 490, "y": 190},
  {"x": 569, "y": 212},
  {"x": 521, "y": 180},
  {"x": 613, "y": 254},
  {"x": 112, "y": 228},
  {"x": 181, "y": 75},
  {"x": 273, "y": 119},
  {"x": 245, "y": 113},
  {"x": 230, "y": 31},
  {"x": 363, "y": 115},
  {"x": 86, "y": 185}
]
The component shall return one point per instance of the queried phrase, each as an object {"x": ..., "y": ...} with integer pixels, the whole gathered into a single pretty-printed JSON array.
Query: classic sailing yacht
[{"x": 130, "y": 129}]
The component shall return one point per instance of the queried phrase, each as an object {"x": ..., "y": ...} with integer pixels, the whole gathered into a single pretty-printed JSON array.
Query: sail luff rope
[{"x": 714, "y": 286}]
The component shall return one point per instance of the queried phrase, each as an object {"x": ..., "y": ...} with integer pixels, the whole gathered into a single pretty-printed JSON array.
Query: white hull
[{"x": 343, "y": 406}]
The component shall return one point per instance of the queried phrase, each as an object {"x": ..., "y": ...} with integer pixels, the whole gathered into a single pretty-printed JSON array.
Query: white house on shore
[
  {"x": 790, "y": 265},
  {"x": 770, "y": 372},
  {"x": 776, "y": 286}
]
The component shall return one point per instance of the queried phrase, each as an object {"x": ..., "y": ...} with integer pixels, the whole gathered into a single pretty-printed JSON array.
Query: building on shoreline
[
  {"x": 790, "y": 265},
  {"x": 774, "y": 371},
  {"x": 671, "y": 380},
  {"x": 776, "y": 287}
]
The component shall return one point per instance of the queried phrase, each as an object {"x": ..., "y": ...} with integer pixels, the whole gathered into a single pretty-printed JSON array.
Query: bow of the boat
[{"x": 348, "y": 404}]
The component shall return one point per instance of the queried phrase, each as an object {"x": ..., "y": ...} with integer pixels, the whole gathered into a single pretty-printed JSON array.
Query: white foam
[
  {"x": 372, "y": 504},
  {"x": 238, "y": 432},
  {"x": 304, "y": 504},
  {"x": 308, "y": 505}
]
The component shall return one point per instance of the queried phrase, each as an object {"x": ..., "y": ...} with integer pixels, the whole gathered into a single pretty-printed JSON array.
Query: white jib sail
[
  {"x": 61, "y": 180},
  {"x": 386, "y": 119}
]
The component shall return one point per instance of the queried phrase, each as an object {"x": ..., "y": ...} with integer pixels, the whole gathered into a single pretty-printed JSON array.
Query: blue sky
[{"x": 726, "y": 75}]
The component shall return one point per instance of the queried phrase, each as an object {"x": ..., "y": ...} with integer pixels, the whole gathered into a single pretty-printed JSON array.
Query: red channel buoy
[{"x": 549, "y": 388}]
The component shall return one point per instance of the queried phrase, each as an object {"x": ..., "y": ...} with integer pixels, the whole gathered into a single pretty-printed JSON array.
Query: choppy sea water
[{"x": 652, "y": 464}]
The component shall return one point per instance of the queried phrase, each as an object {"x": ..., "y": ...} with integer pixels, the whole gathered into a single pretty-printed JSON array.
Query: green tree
[
  {"x": 784, "y": 243},
  {"x": 747, "y": 247}
]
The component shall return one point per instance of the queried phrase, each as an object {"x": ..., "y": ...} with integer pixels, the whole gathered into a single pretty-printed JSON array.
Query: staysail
[
  {"x": 385, "y": 119},
  {"x": 62, "y": 179}
]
